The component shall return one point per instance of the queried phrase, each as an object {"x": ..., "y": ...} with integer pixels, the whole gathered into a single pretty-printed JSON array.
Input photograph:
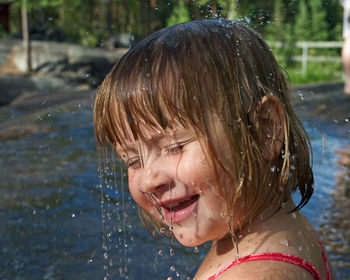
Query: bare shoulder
[{"x": 269, "y": 270}]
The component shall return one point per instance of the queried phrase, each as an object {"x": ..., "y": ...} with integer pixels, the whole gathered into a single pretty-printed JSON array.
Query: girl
[{"x": 200, "y": 114}]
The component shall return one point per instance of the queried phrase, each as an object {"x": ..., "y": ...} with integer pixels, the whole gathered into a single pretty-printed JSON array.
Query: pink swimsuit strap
[{"x": 283, "y": 258}]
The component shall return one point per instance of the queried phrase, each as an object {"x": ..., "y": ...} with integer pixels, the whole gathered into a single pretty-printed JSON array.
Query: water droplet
[
  {"x": 300, "y": 248},
  {"x": 301, "y": 96},
  {"x": 160, "y": 253},
  {"x": 172, "y": 268},
  {"x": 196, "y": 250},
  {"x": 284, "y": 242},
  {"x": 73, "y": 215},
  {"x": 273, "y": 168},
  {"x": 283, "y": 204},
  {"x": 162, "y": 230},
  {"x": 171, "y": 252}
]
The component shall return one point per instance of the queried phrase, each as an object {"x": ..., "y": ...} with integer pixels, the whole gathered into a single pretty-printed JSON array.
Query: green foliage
[
  {"x": 89, "y": 22},
  {"x": 302, "y": 22},
  {"x": 179, "y": 14},
  {"x": 319, "y": 25},
  {"x": 316, "y": 72}
]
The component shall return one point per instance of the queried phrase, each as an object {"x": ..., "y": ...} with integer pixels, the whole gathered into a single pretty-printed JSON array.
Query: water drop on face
[
  {"x": 162, "y": 230},
  {"x": 171, "y": 252}
]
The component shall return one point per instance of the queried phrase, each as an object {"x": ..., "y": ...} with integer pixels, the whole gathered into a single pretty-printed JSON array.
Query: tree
[
  {"x": 179, "y": 14},
  {"x": 229, "y": 8},
  {"x": 26, "y": 36},
  {"x": 319, "y": 25},
  {"x": 302, "y": 22}
]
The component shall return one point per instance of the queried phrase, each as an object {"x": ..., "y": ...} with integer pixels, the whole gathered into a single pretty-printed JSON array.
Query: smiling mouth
[
  {"x": 180, "y": 205},
  {"x": 178, "y": 211}
]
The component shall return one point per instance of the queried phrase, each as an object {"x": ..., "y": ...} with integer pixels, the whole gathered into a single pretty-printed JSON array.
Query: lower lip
[{"x": 180, "y": 215}]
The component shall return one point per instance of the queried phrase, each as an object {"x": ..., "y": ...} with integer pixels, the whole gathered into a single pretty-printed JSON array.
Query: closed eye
[
  {"x": 133, "y": 163},
  {"x": 175, "y": 149}
]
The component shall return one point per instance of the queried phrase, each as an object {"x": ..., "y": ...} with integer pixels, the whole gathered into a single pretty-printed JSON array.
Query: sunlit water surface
[{"x": 54, "y": 226}]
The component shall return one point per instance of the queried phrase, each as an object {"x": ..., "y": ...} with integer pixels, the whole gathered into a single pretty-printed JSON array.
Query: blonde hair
[{"x": 192, "y": 69}]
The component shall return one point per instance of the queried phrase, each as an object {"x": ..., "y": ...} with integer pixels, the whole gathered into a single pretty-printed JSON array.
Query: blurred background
[
  {"x": 121, "y": 23},
  {"x": 61, "y": 215}
]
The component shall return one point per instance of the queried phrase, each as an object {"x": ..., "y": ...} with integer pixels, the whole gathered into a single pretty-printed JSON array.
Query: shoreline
[{"x": 324, "y": 102}]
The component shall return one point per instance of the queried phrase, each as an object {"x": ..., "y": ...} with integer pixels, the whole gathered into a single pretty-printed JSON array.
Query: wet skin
[{"x": 171, "y": 178}]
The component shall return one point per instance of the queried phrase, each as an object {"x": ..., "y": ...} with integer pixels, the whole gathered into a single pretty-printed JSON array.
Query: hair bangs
[{"x": 149, "y": 97}]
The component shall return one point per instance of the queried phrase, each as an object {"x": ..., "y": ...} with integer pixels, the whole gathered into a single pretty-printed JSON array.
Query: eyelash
[
  {"x": 174, "y": 149},
  {"x": 130, "y": 163}
]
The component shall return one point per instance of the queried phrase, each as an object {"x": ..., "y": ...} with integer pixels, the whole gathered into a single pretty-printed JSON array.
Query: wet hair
[{"x": 187, "y": 72}]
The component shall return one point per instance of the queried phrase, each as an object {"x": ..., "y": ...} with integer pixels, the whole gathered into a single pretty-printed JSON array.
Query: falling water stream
[{"x": 55, "y": 224}]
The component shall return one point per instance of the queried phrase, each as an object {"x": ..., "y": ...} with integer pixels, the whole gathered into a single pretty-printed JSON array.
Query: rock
[
  {"x": 42, "y": 52},
  {"x": 120, "y": 40},
  {"x": 20, "y": 130},
  {"x": 12, "y": 86},
  {"x": 35, "y": 101}
]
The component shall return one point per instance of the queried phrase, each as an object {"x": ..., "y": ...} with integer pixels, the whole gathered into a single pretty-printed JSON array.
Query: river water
[{"x": 53, "y": 224}]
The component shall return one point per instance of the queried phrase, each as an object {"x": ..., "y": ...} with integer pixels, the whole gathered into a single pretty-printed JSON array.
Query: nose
[{"x": 155, "y": 180}]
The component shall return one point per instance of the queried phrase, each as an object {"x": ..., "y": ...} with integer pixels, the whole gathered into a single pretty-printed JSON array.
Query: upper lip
[{"x": 173, "y": 201}]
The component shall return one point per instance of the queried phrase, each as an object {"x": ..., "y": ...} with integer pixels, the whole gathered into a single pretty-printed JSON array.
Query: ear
[{"x": 270, "y": 115}]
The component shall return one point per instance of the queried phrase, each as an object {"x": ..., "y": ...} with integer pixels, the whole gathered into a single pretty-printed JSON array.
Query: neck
[{"x": 263, "y": 223}]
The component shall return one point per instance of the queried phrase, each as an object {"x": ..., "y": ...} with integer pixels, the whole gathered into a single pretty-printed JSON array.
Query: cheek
[
  {"x": 194, "y": 170},
  {"x": 133, "y": 181},
  {"x": 140, "y": 198}
]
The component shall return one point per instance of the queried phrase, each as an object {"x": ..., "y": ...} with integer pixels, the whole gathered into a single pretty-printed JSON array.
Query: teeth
[{"x": 171, "y": 205}]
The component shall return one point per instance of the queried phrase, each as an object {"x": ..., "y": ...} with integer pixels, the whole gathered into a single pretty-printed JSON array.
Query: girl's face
[{"x": 171, "y": 178}]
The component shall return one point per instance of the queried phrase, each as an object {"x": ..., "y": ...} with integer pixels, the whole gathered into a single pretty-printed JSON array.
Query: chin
[{"x": 190, "y": 243}]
